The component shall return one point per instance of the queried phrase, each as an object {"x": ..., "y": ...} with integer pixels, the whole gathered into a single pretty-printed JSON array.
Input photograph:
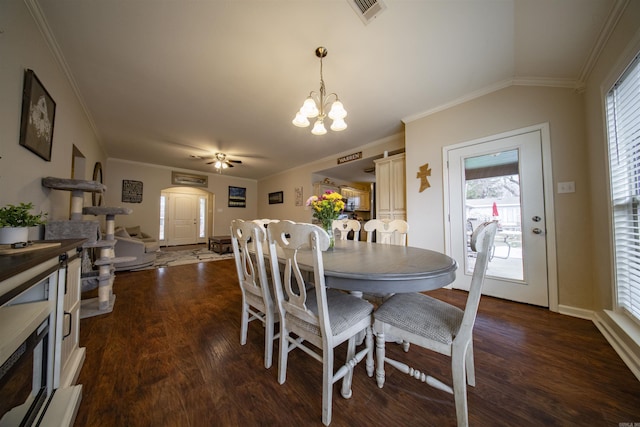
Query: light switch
[{"x": 566, "y": 187}]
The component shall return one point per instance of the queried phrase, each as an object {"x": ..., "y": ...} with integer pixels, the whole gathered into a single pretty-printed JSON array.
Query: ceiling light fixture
[
  {"x": 220, "y": 162},
  {"x": 316, "y": 105}
]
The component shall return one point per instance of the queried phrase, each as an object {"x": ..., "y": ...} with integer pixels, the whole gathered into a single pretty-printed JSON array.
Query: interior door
[
  {"x": 183, "y": 219},
  {"x": 501, "y": 179}
]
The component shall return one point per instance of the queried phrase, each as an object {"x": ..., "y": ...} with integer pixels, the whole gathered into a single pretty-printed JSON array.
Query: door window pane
[{"x": 492, "y": 192}]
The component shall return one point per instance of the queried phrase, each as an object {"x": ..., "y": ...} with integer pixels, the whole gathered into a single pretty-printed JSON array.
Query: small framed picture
[
  {"x": 38, "y": 116},
  {"x": 276, "y": 197},
  {"x": 237, "y": 197}
]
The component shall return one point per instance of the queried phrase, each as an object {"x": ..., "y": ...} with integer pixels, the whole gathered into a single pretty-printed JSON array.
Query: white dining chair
[
  {"x": 248, "y": 239},
  {"x": 388, "y": 231},
  {"x": 264, "y": 222},
  {"x": 344, "y": 226},
  {"x": 316, "y": 320},
  {"x": 438, "y": 326}
]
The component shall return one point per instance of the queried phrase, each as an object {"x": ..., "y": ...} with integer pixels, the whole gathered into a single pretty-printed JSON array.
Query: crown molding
[{"x": 41, "y": 22}]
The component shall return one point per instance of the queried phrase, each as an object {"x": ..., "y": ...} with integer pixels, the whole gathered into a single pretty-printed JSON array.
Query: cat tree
[{"x": 103, "y": 275}]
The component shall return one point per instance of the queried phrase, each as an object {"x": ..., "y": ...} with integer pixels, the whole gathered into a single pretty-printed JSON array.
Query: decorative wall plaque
[{"x": 131, "y": 191}]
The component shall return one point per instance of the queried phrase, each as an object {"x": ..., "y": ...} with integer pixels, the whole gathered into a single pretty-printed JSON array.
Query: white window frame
[{"x": 623, "y": 142}]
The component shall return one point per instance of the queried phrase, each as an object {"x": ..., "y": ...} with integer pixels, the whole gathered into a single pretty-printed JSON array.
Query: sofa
[{"x": 132, "y": 242}]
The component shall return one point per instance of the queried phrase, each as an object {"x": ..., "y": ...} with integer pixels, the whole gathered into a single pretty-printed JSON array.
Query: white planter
[{"x": 10, "y": 235}]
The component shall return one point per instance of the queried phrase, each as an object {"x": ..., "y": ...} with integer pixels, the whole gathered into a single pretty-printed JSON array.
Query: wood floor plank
[{"x": 169, "y": 355}]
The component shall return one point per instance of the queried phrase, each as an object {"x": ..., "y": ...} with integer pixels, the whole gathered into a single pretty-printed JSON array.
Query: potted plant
[{"x": 15, "y": 221}]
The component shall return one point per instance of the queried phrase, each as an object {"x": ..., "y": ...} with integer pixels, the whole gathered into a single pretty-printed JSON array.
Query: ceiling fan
[{"x": 220, "y": 162}]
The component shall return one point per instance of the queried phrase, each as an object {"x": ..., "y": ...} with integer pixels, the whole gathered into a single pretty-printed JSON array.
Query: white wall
[
  {"x": 23, "y": 46},
  {"x": 156, "y": 178}
]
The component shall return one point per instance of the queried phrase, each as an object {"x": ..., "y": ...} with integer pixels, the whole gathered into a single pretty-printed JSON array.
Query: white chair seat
[
  {"x": 344, "y": 311},
  {"x": 422, "y": 315}
]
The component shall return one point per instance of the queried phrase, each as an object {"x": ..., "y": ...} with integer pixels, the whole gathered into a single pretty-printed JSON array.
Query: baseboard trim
[
  {"x": 624, "y": 343},
  {"x": 575, "y": 312}
]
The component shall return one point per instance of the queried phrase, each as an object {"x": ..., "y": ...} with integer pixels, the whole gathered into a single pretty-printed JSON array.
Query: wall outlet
[{"x": 566, "y": 187}]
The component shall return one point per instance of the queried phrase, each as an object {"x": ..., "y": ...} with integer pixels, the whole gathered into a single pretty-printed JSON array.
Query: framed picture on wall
[
  {"x": 237, "y": 197},
  {"x": 276, "y": 197},
  {"x": 38, "y": 115}
]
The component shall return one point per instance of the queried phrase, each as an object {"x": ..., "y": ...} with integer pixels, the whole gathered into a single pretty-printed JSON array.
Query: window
[
  {"x": 623, "y": 123},
  {"x": 163, "y": 204},
  {"x": 203, "y": 217}
]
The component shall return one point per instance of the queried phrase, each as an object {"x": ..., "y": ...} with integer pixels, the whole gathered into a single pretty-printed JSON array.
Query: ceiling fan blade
[
  {"x": 235, "y": 161},
  {"x": 211, "y": 162},
  {"x": 229, "y": 164}
]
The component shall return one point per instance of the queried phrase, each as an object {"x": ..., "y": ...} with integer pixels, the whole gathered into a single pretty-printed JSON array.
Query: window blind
[{"x": 623, "y": 122}]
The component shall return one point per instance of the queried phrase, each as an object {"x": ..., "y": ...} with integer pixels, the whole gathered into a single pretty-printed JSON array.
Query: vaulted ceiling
[{"x": 163, "y": 81}]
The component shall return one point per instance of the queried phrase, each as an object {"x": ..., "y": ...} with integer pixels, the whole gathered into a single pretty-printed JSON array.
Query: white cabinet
[
  {"x": 357, "y": 200},
  {"x": 390, "y": 188},
  {"x": 39, "y": 334}
]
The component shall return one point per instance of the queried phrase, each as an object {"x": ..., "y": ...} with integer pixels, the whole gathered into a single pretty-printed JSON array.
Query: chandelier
[{"x": 316, "y": 105}]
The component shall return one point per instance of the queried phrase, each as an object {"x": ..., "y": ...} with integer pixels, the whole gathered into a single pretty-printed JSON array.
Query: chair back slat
[
  {"x": 286, "y": 240},
  {"x": 344, "y": 226},
  {"x": 386, "y": 230}
]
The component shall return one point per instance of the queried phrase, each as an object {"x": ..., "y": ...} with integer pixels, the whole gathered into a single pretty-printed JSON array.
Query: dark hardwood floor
[{"x": 169, "y": 355}]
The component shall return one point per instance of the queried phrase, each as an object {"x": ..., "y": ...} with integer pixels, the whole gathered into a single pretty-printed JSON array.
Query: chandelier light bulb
[
  {"x": 338, "y": 125},
  {"x": 318, "y": 128},
  {"x": 309, "y": 108},
  {"x": 300, "y": 120},
  {"x": 337, "y": 111}
]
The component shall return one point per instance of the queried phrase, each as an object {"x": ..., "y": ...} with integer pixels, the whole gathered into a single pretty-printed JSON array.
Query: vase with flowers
[{"x": 326, "y": 208}]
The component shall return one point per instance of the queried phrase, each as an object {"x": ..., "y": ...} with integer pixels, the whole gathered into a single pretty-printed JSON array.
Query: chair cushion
[
  {"x": 421, "y": 315},
  {"x": 134, "y": 231},
  {"x": 344, "y": 311},
  {"x": 121, "y": 232}
]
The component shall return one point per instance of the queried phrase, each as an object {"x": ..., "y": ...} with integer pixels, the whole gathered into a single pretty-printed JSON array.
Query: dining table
[{"x": 368, "y": 267}]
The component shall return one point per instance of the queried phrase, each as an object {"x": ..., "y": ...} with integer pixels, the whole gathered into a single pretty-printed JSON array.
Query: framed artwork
[
  {"x": 131, "y": 191},
  {"x": 298, "y": 196},
  {"x": 276, "y": 197},
  {"x": 38, "y": 116},
  {"x": 237, "y": 197},
  {"x": 190, "y": 179}
]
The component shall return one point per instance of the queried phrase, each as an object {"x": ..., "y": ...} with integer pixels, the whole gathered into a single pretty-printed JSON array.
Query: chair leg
[
  {"x": 346, "y": 381},
  {"x": 380, "y": 358},
  {"x": 369, "y": 344},
  {"x": 471, "y": 370},
  {"x": 284, "y": 354},
  {"x": 244, "y": 323},
  {"x": 459, "y": 386},
  {"x": 327, "y": 384},
  {"x": 268, "y": 342}
]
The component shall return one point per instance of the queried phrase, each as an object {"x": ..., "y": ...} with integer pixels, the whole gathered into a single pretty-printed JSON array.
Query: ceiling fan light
[
  {"x": 300, "y": 120},
  {"x": 309, "y": 108},
  {"x": 338, "y": 125},
  {"x": 337, "y": 111},
  {"x": 318, "y": 128},
  {"x": 218, "y": 164},
  {"x": 224, "y": 166}
]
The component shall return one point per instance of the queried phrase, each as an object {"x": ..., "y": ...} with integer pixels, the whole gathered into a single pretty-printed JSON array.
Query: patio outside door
[{"x": 501, "y": 179}]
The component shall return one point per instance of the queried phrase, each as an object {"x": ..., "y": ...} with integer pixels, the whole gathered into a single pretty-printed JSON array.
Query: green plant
[{"x": 19, "y": 216}]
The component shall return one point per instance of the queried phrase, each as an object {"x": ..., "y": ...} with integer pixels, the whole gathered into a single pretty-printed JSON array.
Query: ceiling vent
[{"x": 367, "y": 10}]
